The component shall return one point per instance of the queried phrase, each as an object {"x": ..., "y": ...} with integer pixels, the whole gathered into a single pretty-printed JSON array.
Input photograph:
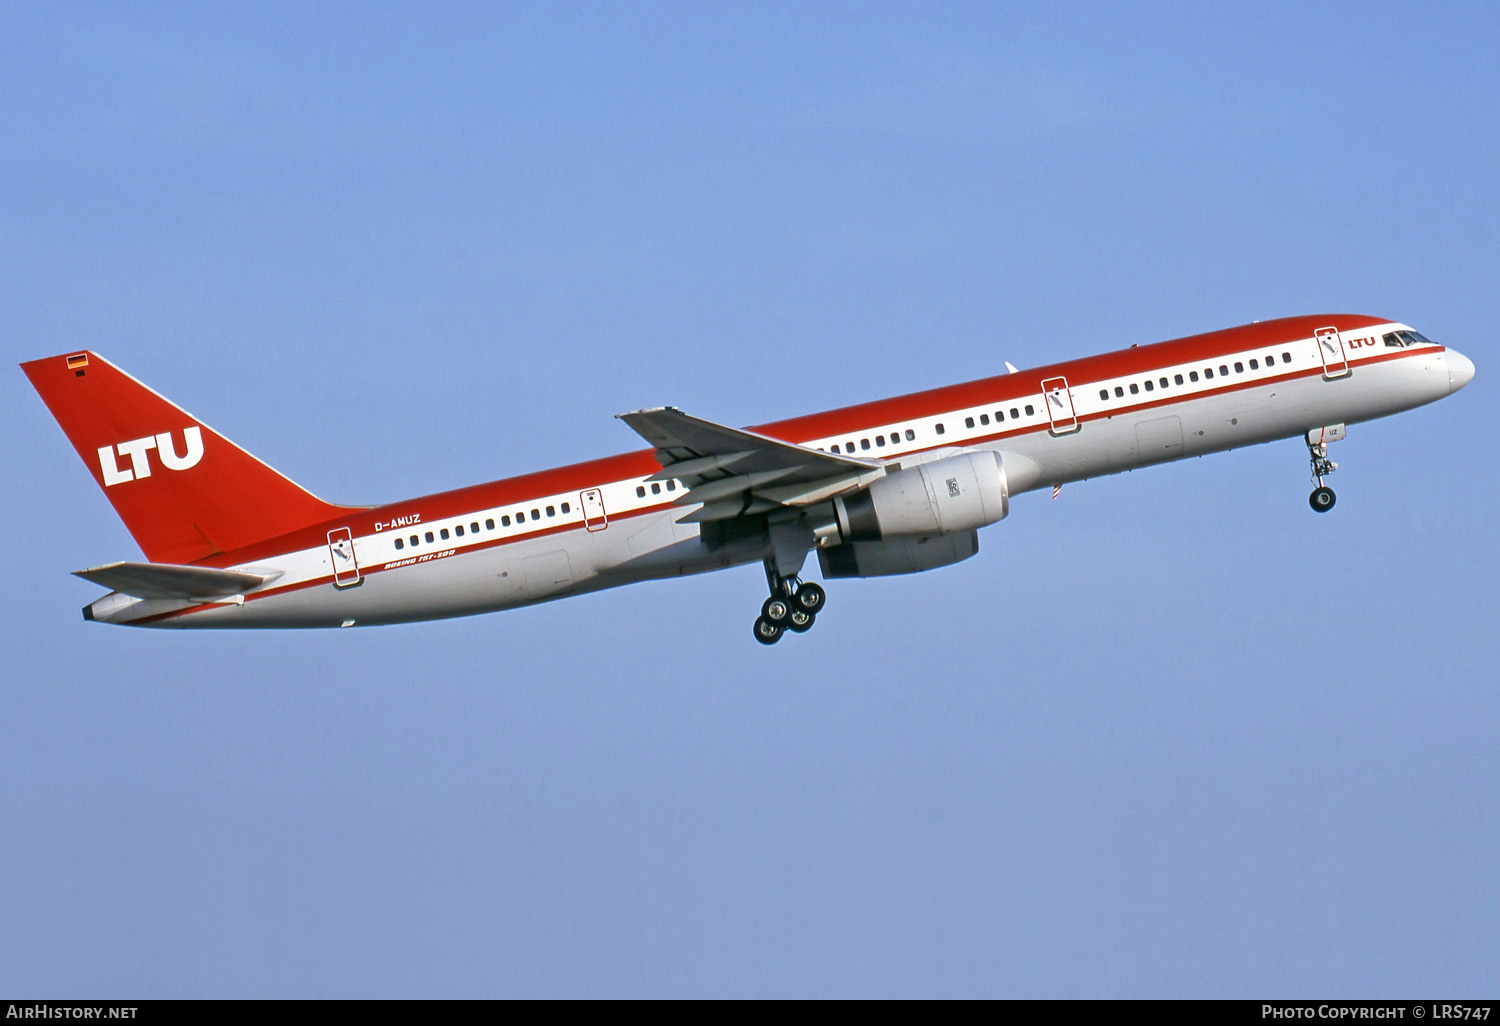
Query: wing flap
[{"x": 171, "y": 581}]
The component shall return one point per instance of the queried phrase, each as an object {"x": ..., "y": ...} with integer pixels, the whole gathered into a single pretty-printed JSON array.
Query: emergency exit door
[
  {"x": 1331, "y": 349},
  {"x": 592, "y": 503},
  {"x": 341, "y": 555},
  {"x": 1059, "y": 400}
]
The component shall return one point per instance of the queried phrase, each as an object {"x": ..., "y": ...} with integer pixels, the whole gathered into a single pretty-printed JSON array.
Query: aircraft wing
[
  {"x": 734, "y": 472},
  {"x": 170, "y": 581}
]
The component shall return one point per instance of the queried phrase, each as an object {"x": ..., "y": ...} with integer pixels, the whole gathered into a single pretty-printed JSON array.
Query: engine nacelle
[
  {"x": 906, "y": 555},
  {"x": 948, "y": 496}
]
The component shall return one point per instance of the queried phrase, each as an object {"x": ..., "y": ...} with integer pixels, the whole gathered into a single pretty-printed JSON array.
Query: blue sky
[{"x": 1170, "y": 735}]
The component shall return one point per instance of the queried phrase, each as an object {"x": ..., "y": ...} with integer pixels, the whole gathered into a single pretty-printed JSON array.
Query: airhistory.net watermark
[{"x": 42, "y": 1010}]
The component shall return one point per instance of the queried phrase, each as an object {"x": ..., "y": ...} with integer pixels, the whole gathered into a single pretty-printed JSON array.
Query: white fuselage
[{"x": 603, "y": 524}]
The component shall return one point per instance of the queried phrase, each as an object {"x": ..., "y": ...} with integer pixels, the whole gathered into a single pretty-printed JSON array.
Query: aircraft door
[
  {"x": 341, "y": 555},
  {"x": 1060, "y": 405},
  {"x": 1331, "y": 349},
  {"x": 592, "y": 503}
]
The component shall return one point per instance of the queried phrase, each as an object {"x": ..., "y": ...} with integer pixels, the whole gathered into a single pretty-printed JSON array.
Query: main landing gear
[
  {"x": 1322, "y": 497},
  {"x": 793, "y": 606}
]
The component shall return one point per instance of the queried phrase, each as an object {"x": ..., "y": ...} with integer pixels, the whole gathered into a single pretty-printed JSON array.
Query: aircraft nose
[{"x": 1460, "y": 370}]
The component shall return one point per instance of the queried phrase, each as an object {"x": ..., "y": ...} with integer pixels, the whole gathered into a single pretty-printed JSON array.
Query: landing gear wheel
[
  {"x": 810, "y": 597},
  {"x": 800, "y": 622},
  {"x": 766, "y": 632},
  {"x": 1322, "y": 499},
  {"x": 777, "y": 610}
]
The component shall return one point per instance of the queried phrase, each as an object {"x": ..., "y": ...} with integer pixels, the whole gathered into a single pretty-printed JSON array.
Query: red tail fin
[{"x": 184, "y": 491}]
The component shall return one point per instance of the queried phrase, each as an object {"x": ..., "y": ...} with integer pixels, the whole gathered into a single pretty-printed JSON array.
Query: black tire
[
  {"x": 801, "y": 622},
  {"x": 777, "y": 610},
  {"x": 1322, "y": 499},
  {"x": 766, "y": 632},
  {"x": 810, "y": 598}
]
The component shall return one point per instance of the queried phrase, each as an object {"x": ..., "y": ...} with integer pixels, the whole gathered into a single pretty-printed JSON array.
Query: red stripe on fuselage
[
  {"x": 1004, "y": 388},
  {"x": 526, "y": 489}
]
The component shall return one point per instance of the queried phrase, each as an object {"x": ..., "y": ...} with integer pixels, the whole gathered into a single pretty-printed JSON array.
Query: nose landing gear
[
  {"x": 793, "y": 606},
  {"x": 1322, "y": 497}
]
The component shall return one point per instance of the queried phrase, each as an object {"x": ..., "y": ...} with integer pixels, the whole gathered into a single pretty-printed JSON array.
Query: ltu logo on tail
[{"x": 140, "y": 463}]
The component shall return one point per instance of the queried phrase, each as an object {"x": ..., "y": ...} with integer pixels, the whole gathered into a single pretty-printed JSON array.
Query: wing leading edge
[{"x": 734, "y": 472}]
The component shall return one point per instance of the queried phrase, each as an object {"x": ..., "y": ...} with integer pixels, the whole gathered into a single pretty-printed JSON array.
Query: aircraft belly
[
  {"x": 503, "y": 577},
  {"x": 465, "y": 583}
]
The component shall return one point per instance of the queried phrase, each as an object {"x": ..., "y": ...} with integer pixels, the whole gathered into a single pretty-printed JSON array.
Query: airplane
[{"x": 894, "y": 486}]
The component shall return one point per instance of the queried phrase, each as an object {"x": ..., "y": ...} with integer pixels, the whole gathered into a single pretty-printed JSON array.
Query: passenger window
[
  {"x": 939, "y": 428},
  {"x": 655, "y": 487},
  {"x": 1177, "y": 378},
  {"x": 984, "y": 418},
  {"x": 459, "y": 530},
  {"x": 1192, "y": 375},
  {"x": 474, "y": 527},
  {"x": 1119, "y": 392},
  {"x": 1015, "y": 414},
  {"x": 1254, "y": 364},
  {"x": 505, "y": 520},
  {"x": 1208, "y": 372},
  {"x": 536, "y": 514},
  {"x": 835, "y": 448},
  {"x": 1270, "y": 359},
  {"x": 880, "y": 441},
  {"x": 849, "y": 445},
  {"x": 400, "y": 544},
  {"x": 414, "y": 540},
  {"x": 443, "y": 534},
  {"x": 671, "y": 487},
  {"x": 1135, "y": 389},
  {"x": 999, "y": 416},
  {"x": 864, "y": 443},
  {"x": 428, "y": 536},
  {"x": 1223, "y": 370},
  {"x": 911, "y": 436},
  {"x": 1030, "y": 411},
  {"x": 1104, "y": 393},
  {"x": 1286, "y": 357},
  {"x": 552, "y": 511},
  {"x": 968, "y": 422},
  {"x": 895, "y": 438},
  {"x": 489, "y": 525},
  {"x": 1239, "y": 368},
  {"x": 640, "y": 491},
  {"x": 1149, "y": 386}
]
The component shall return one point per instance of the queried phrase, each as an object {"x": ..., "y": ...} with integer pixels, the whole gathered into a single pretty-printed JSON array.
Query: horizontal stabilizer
[{"x": 170, "y": 581}]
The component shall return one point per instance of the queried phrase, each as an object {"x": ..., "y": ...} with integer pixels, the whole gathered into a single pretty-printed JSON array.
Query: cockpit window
[
  {"x": 1393, "y": 340},
  {"x": 1406, "y": 338}
]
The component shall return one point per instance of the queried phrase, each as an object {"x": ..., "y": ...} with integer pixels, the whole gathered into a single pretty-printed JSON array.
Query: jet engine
[
  {"x": 917, "y": 518},
  {"x": 947, "y": 496}
]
